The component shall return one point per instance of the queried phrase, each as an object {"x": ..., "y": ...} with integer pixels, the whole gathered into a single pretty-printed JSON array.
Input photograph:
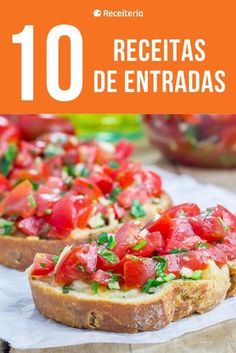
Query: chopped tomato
[
  {"x": 45, "y": 199},
  {"x": 101, "y": 277},
  {"x": 181, "y": 236},
  {"x": 86, "y": 187},
  {"x": 103, "y": 181},
  {"x": 137, "y": 271},
  {"x": 19, "y": 174},
  {"x": 52, "y": 167},
  {"x": 31, "y": 226},
  {"x": 8, "y": 132},
  {"x": 4, "y": 184},
  {"x": 63, "y": 216},
  {"x": 150, "y": 244},
  {"x": 126, "y": 237},
  {"x": 228, "y": 247},
  {"x": 76, "y": 262},
  {"x": 27, "y": 154},
  {"x": 123, "y": 149},
  {"x": 229, "y": 220},
  {"x": 20, "y": 201},
  {"x": 163, "y": 224},
  {"x": 209, "y": 228},
  {"x": 84, "y": 210},
  {"x": 105, "y": 265},
  {"x": 42, "y": 265},
  {"x": 187, "y": 209},
  {"x": 151, "y": 183},
  {"x": 127, "y": 196}
]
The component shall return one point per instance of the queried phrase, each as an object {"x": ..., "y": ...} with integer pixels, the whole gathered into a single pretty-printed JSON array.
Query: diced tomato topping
[
  {"x": 68, "y": 213},
  {"x": 187, "y": 209},
  {"x": 52, "y": 167},
  {"x": 86, "y": 187},
  {"x": 123, "y": 149},
  {"x": 119, "y": 211},
  {"x": 228, "y": 247},
  {"x": 31, "y": 226},
  {"x": 229, "y": 220},
  {"x": 19, "y": 201},
  {"x": 181, "y": 236},
  {"x": 42, "y": 265},
  {"x": 127, "y": 196},
  {"x": 103, "y": 181},
  {"x": 209, "y": 228},
  {"x": 138, "y": 271},
  {"x": 4, "y": 184},
  {"x": 76, "y": 262},
  {"x": 163, "y": 224},
  {"x": 154, "y": 244},
  {"x": 105, "y": 265},
  {"x": 101, "y": 277},
  {"x": 126, "y": 237}
]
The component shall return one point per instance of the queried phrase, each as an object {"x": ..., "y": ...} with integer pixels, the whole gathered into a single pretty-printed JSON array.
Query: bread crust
[
  {"x": 146, "y": 312},
  {"x": 18, "y": 252}
]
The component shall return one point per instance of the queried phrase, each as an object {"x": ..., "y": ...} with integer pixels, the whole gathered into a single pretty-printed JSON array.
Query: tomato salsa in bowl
[{"x": 204, "y": 140}]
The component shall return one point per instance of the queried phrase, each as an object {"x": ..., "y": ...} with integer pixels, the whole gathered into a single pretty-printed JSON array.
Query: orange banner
[{"x": 117, "y": 56}]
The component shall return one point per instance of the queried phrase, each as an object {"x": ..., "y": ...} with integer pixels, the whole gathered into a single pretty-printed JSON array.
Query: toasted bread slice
[
  {"x": 132, "y": 311},
  {"x": 18, "y": 252},
  {"x": 232, "y": 272}
]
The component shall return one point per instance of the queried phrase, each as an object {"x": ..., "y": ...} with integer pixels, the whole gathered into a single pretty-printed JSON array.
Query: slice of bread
[
  {"x": 18, "y": 252},
  {"x": 132, "y": 311}
]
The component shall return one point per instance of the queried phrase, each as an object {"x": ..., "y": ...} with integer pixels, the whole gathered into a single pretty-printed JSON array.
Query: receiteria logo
[
  {"x": 117, "y": 13},
  {"x": 97, "y": 13}
]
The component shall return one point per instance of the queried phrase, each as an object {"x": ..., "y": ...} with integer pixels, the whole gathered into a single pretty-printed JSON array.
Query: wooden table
[{"x": 218, "y": 339}]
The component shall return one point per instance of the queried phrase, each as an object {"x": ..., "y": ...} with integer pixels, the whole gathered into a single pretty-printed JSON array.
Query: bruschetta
[{"x": 142, "y": 277}]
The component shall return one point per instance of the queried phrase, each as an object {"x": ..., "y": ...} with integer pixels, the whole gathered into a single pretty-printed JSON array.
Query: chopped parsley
[
  {"x": 140, "y": 245},
  {"x": 32, "y": 201},
  {"x": 196, "y": 275},
  {"x": 191, "y": 136},
  {"x": 105, "y": 238},
  {"x": 42, "y": 264},
  {"x": 7, "y": 159},
  {"x": 223, "y": 223},
  {"x": 177, "y": 251},
  {"x": 6, "y": 227},
  {"x": 115, "y": 192},
  {"x": 109, "y": 256},
  {"x": 137, "y": 209},
  {"x": 202, "y": 245},
  {"x": 55, "y": 259},
  {"x": 94, "y": 287},
  {"x": 66, "y": 290},
  {"x": 84, "y": 172},
  {"x": 155, "y": 282},
  {"x": 161, "y": 265},
  {"x": 53, "y": 150},
  {"x": 114, "y": 164}
]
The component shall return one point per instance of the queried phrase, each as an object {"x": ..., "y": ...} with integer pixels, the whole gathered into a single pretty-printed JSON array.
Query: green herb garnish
[
  {"x": 42, "y": 264},
  {"x": 161, "y": 265},
  {"x": 84, "y": 172},
  {"x": 202, "y": 245},
  {"x": 113, "y": 195},
  {"x": 196, "y": 275},
  {"x": 114, "y": 164},
  {"x": 66, "y": 290},
  {"x": 53, "y": 150},
  {"x": 94, "y": 287},
  {"x": 109, "y": 256},
  {"x": 55, "y": 259},
  {"x": 32, "y": 201},
  {"x": 156, "y": 282},
  {"x": 137, "y": 209},
  {"x": 105, "y": 238},
  {"x": 223, "y": 223},
  {"x": 140, "y": 245},
  {"x": 7, "y": 159},
  {"x": 6, "y": 227},
  {"x": 177, "y": 251},
  {"x": 48, "y": 211}
]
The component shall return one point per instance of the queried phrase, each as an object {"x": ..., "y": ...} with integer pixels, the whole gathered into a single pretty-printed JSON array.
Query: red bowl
[{"x": 204, "y": 140}]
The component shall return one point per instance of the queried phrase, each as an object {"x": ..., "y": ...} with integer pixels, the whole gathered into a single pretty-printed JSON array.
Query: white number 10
[{"x": 26, "y": 40}]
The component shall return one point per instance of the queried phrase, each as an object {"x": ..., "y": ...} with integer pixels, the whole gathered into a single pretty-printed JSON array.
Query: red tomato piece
[
  {"x": 162, "y": 224},
  {"x": 27, "y": 154},
  {"x": 79, "y": 260},
  {"x": 126, "y": 237},
  {"x": 152, "y": 183},
  {"x": 154, "y": 243},
  {"x": 138, "y": 271},
  {"x": 103, "y": 181},
  {"x": 31, "y": 226},
  {"x": 188, "y": 209},
  {"x": 86, "y": 187},
  {"x": 127, "y": 196},
  {"x": 119, "y": 211},
  {"x": 52, "y": 167},
  {"x": 123, "y": 149},
  {"x": 42, "y": 265},
  {"x": 84, "y": 209},
  {"x": 8, "y": 132},
  {"x": 181, "y": 236},
  {"x": 228, "y": 247},
  {"x": 228, "y": 218},
  {"x": 45, "y": 199},
  {"x": 19, "y": 201},
  {"x": 101, "y": 277},
  {"x": 105, "y": 265},
  {"x": 209, "y": 228},
  {"x": 4, "y": 184}
]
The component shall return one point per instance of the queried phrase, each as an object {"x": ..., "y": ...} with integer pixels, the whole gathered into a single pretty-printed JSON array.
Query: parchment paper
[{"x": 23, "y": 327}]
